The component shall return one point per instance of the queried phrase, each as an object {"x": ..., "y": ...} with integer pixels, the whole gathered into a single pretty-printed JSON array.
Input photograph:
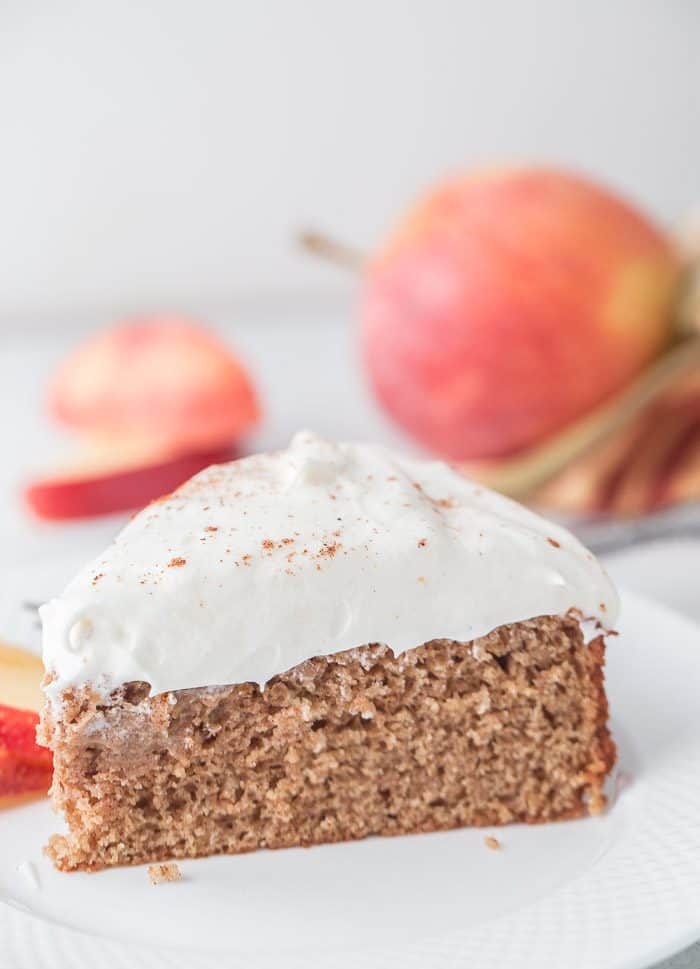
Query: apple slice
[
  {"x": 25, "y": 767},
  {"x": 20, "y": 777},
  {"x": 84, "y": 496},
  {"x": 18, "y": 737},
  {"x": 155, "y": 399}
]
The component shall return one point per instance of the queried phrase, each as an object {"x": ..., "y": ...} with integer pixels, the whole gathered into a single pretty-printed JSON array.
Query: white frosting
[{"x": 254, "y": 566}]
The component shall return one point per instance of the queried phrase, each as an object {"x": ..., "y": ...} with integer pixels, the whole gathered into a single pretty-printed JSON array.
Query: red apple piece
[
  {"x": 21, "y": 776},
  {"x": 67, "y": 497},
  {"x": 25, "y": 767},
  {"x": 18, "y": 736}
]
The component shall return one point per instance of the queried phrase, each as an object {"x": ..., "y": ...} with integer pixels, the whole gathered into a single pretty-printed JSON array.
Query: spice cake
[{"x": 318, "y": 645}]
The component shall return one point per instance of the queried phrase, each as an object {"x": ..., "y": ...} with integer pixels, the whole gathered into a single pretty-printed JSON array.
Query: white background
[{"x": 163, "y": 152}]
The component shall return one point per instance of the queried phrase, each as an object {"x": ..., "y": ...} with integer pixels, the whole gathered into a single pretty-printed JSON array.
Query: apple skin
[
  {"x": 156, "y": 399},
  {"x": 66, "y": 497},
  {"x": 25, "y": 767},
  {"x": 508, "y": 304},
  {"x": 163, "y": 378}
]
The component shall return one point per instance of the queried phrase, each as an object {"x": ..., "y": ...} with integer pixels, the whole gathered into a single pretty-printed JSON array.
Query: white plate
[{"x": 615, "y": 892}]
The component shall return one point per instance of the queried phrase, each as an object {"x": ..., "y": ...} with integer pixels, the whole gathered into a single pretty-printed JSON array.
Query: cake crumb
[
  {"x": 177, "y": 562},
  {"x": 493, "y": 843},
  {"x": 169, "y": 872}
]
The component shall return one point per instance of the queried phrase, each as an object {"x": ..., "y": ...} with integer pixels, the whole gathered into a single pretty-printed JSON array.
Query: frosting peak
[{"x": 254, "y": 566}]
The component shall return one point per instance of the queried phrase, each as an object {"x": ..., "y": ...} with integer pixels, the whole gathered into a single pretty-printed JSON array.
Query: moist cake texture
[
  {"x": 508, "y": 728},
  {"x": 208, "y": 689}
]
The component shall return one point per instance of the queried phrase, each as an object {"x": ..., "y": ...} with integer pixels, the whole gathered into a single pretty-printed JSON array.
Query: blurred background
[
  {"x": 164, "y": 153},
  {"x": 161, "y": 159}
]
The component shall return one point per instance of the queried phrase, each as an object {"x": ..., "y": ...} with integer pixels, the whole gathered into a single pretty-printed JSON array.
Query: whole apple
[
  {"x": 509, "y": 303},
  {"x": 162, "y": 378},
  {"x": 157, "y": 399}
]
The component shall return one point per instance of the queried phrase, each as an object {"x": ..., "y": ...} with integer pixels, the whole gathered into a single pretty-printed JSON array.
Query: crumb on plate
[
  {"x": 493, "y": 843},
  {"x": 169, "y": 872}
]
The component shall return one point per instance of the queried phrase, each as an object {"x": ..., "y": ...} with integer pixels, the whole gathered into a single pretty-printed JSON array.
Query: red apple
[
  {"x": 507, "y": 304},
  {"x": 161, "y": 378}
]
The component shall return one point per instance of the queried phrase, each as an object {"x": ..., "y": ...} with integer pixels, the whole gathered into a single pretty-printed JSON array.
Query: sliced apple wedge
[
  {"x": 85, "y": 495},
  {"x": 20, "y": 778},
  {"x": 154, "y": 400},
  {"x": 18, "y": 737},
  {"x": 25, "y": 767}
]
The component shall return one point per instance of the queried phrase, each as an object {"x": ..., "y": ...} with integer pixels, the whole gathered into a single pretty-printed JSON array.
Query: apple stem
[{"x": 332, "y": 250}]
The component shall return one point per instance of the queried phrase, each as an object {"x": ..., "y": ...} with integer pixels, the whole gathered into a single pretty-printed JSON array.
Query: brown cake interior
[{"x": 510, "y": 727}]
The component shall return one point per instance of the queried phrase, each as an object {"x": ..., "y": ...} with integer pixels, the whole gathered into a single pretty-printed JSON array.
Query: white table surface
[{"x": 306, "y": 364}]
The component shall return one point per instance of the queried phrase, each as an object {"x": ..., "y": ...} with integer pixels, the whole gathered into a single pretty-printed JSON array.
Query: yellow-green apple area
[{"x": 509, "y": 303}]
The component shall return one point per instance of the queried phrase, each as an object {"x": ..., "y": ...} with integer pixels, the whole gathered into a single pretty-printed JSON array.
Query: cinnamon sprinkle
[{"x": 329, "y": 549}]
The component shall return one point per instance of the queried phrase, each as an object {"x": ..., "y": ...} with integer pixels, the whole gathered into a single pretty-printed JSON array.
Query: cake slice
[{"x": 318, "y": 645}]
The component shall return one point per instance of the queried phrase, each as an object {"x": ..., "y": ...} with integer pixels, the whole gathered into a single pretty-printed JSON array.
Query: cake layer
[
  {"x": 509, "y": 727},
  {"x": 255, "y": 566}
]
